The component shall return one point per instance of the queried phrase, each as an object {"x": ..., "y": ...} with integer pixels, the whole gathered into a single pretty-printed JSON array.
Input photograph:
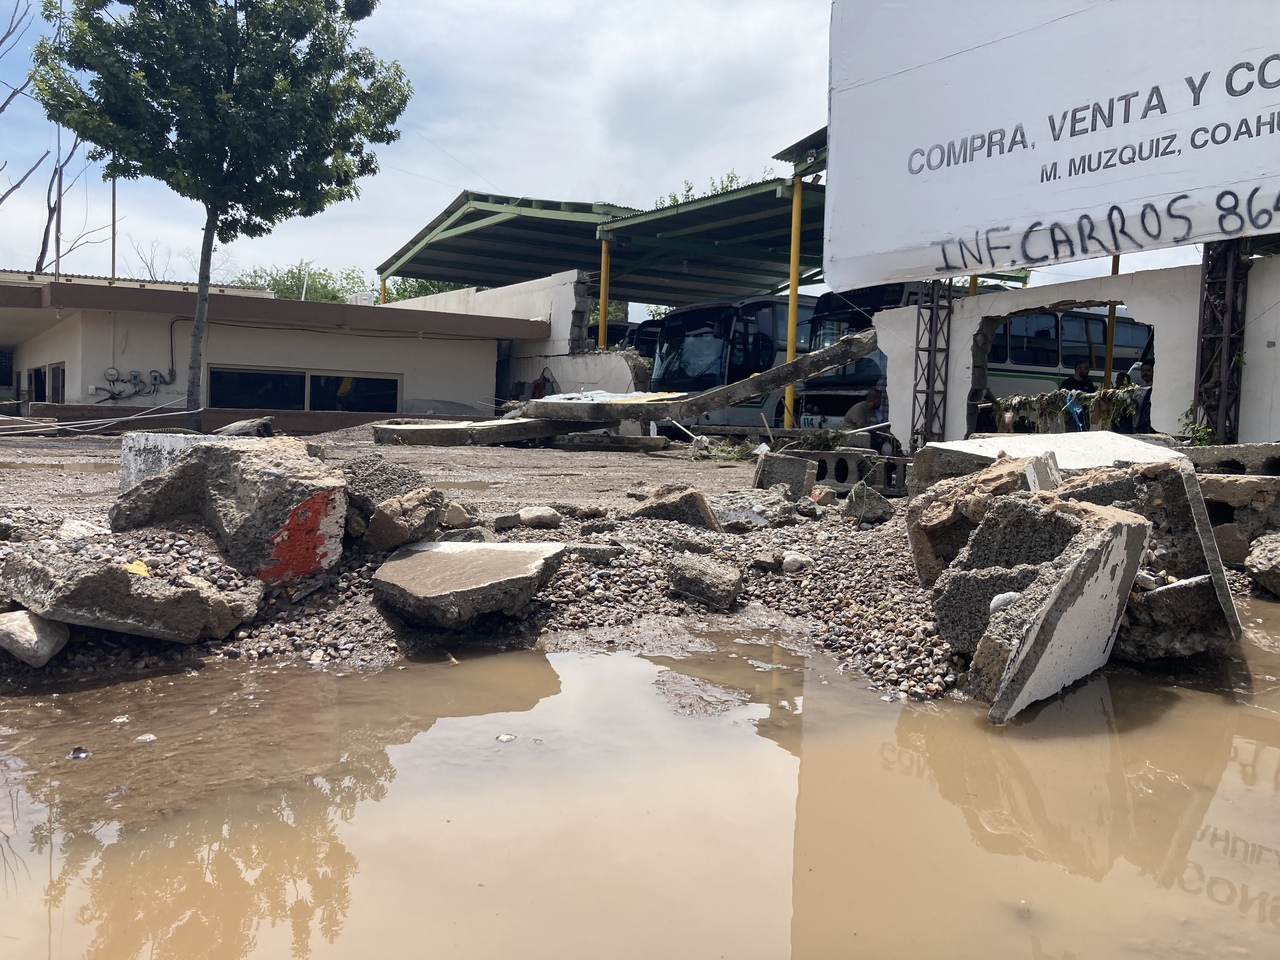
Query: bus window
[
  {"x": 690, "y": 350},
  {"x": 999, "y": 352},
  {"x": 1131, "y": 343},
  {"x": 751, "y": 349},
  {"x": 1033, "y": 340},
  {"x": 1084, "y": 337}
]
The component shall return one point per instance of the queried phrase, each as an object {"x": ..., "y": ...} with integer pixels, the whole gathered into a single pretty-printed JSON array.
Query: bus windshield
[{"x": 691, "y": 349}]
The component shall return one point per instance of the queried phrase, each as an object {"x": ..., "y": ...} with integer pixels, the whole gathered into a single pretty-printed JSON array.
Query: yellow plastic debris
[{"x": 138, "y": 568}]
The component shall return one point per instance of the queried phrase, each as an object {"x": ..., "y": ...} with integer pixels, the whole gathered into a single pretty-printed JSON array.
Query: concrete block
[
  {"x": 32, "y": 639},
  {"x": 1258, "y": 459},
  {"x": 941, "y": 520},
  {"x": 1063, "y": 625},
  {"x": 798, "y": 473},
  {"x": 143, "y": 455},
  {"x": 1233, "y": 545}
]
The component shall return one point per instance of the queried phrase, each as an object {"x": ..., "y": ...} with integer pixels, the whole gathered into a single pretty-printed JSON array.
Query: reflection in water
[
  {"x": 1067, "y": 786},
  {"x": 233, "y": 816},
  {"x": 727, "y": 803}
]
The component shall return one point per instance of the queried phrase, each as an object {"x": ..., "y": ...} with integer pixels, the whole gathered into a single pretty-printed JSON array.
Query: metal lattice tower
[
  {"x": 933, "y": 346},
  {"x": 1224, "y": 286}
]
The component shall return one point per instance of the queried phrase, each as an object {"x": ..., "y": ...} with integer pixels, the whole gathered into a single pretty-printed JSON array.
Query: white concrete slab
[{"x": 1074, "y": 451}]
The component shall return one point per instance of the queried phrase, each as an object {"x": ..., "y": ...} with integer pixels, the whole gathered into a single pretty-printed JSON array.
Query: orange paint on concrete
[{"x": 301, "y": 546}]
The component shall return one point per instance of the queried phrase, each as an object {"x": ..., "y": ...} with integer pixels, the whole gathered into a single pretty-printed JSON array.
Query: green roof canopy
[{"x": 726, "y": 246}]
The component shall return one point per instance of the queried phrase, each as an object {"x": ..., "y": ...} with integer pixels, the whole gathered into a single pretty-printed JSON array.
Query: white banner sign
[{"x": 971, "y": 137}]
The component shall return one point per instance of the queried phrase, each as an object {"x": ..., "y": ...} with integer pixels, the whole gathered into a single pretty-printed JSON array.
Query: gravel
[{"x": 859, "y": 599}]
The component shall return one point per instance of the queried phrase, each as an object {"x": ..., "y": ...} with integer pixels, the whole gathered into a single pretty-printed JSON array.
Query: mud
[{"x": 741, "y": 801}]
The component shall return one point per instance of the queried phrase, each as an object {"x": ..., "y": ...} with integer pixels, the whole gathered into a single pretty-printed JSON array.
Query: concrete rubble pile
[
  {"x": 265, "y": 515},
  {"x": 1041, "y": 578}
]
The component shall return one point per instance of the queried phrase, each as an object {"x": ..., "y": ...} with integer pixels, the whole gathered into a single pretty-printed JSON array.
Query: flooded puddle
[
  {"x": 88, "y": 466},
  {"x": 742, "y": 803}
]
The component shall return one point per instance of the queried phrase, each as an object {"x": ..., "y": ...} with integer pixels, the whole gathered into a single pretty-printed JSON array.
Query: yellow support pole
[
  {"x": 973, "y": 285},
  {"x": 602, "y": 334},
  {"x": 1111, "y": 331},
  {"x": 382, "y": 296},
  {"x": 793, "y": 298}
]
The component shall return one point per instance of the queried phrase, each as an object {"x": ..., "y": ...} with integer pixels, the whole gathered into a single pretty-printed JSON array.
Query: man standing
[{"x": 1074, "y": 419}]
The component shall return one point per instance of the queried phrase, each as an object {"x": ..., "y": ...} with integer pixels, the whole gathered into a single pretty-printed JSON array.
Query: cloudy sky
[{"x": 563, "y": 99}]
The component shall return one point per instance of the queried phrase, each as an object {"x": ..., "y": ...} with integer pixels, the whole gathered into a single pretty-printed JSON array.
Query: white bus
[{"x": 1034, "y": 353}]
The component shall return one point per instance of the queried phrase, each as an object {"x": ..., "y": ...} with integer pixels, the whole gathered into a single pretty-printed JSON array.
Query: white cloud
[{"x": 563, "y": 99}]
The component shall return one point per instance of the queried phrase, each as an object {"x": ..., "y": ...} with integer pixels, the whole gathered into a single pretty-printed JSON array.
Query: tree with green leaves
[
  {"x": 302, "y": 281},
  {"x": 259, "y": 110}
]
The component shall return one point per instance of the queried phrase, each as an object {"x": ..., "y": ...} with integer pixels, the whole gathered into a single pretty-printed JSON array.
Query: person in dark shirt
[{"x": 1074, "y": 417}]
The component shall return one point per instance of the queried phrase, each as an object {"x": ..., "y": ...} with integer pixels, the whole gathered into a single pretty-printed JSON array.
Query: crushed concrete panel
[
  {"x": 709, "y": 582},
  {"x": 373, "y": 479},
  {"x": 449, "y": 585},
  {"x": 1073, "y": 633},
  {"x": 1263, "y": 563},
  {"x": 680, "y": 504},
  {"x": 941, "y": 520}
]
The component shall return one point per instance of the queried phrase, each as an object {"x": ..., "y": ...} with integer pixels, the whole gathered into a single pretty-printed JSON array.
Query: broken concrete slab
[
  {"x": 1233, "y": 544},
  {"x": 470, "y": 433},
  {"x": 373, "y": 479},
  {"x": 1183, "y": 544},
  {"x": 73, "y": 529},
  {"x": 277, "y": 511},
  {"x": 468, "y": 535},
  {"x": 1072, "y": 566},
  {"x": 31, "y": 638},
  {"x": 1237, "y": 458},
  {"x": 1263, "y": 563},
  {"x": 457, "y": 516},
  {"x": 865, "y": 505},
  {"x": 449, "y": 585},
  {"x": 1177, "y": 620},
  {"x": 106, "y": 596},
  {"x": 680, "y": 504},
  {"x": 540, "y": 518},
  {"x": 708, "y": 582},
  {"x": 1242, "y": 508},
  {"x": 257, "y": 427},
  {"x": 1073, "y": 451},
  {"x": 143, "y": 455},
  {"x": 797, "y": 473},
  {"x": 941, "y": 520},
  {"x": 404, "y": 519}
]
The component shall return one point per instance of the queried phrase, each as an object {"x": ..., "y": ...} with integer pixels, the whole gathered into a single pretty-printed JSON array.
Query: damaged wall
[
  {"x": 1168, "y": 299},
  {"x": 572, "y": 361}
]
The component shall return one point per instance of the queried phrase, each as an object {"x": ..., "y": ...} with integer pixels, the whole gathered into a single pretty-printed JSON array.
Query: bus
[
  {"x": 707, "y": 345},
  {"x": 1034, "y": 353}
]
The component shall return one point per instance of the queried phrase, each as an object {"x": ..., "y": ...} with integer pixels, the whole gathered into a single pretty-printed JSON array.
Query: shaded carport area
[
  {"x": 761, "y": 238},
  {"x": 722, "y": 247}
]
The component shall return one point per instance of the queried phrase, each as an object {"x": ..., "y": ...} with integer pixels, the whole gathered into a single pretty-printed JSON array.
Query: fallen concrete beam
[
  {"x": 479, "y": 433},
  {"x": 843, "y": 351},
  {"x": 609, "y": 443}
]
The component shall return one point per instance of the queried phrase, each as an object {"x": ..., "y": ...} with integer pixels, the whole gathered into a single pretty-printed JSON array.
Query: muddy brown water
[{"x": 739, "y": 803}]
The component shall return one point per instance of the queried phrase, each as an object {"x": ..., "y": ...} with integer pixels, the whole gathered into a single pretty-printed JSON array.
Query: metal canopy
[{"x": 726, "y": 246}]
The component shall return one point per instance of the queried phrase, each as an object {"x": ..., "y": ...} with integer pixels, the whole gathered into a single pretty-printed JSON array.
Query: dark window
[
  {"x": 57, "y": 383},
  {"x": 257, "y": 389},
  {"x": 1084, "y": 337},
  {"x": 6, "y": 368},
  {"x": 999, "y": 352},
  {"x": 355, "y": 394},
  {"x": 1033, "y": 340},
  {"x": 1131, "y": 343},
  {"x": 691, "y": 350}
]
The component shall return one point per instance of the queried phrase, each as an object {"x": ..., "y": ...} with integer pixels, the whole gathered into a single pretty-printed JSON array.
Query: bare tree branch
[{"x": 30, "y": 170}]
